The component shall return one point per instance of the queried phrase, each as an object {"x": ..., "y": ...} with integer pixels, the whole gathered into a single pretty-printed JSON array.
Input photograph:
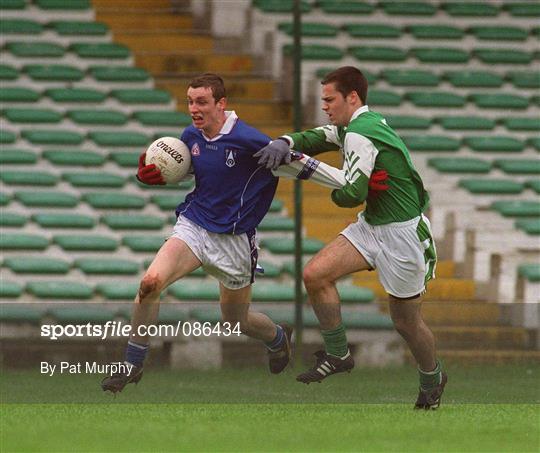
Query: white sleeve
[
  {"x": 311, "y": 169},
  {"x": 359, "y": 156}
]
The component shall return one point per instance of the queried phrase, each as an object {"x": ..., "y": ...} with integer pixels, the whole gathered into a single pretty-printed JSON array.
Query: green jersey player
[{"x": 391, "y": 235}]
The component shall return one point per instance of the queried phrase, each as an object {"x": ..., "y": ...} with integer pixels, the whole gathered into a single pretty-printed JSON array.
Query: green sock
[
  {"x": 335, "y": 341},
  {"x": 430, "y": 379}
]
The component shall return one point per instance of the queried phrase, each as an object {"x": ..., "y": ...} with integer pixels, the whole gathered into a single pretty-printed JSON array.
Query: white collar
[
  {"x": 359, "y": 111},
  {"x": 230, "y": 121}
]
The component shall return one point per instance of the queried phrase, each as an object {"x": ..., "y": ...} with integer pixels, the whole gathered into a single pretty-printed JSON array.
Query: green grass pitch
[{"x": 484, "y": 409}]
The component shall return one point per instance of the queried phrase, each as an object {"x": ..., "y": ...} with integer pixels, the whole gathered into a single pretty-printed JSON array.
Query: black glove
[{"x": 276, "y": 153}]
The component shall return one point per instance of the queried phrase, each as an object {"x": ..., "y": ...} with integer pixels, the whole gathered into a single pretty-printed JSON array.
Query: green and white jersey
[{"x": 369, "y": 144}]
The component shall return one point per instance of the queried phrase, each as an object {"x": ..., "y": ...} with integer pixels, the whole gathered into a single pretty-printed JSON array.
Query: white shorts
[
  {"x": 403, "y": 253},
  {"x": 230, "y": 258}
]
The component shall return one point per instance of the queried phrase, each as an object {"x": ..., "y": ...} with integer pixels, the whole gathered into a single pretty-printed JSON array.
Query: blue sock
[
  {"x": 277, "y": 341},
  {"x": 135, "y": 353}
]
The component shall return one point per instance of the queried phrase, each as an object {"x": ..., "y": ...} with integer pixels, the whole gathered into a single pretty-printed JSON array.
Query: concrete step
[
  {"x": 474, "y": 338},
  {"x": 437, "y": 290},
  {"x": 121, "y": 20},
  {"x": 193, "y": 63},
  {"x": 163, "y": 41},
  {"x": 155, "y": 4},
  {"x": 237, "y": 88},
  {"x": 275, "y": 130},
  {"x": 488, "y": 356}
]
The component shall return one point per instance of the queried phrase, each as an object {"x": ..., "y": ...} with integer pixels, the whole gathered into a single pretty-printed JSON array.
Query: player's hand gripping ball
[{"x": 168, "y": 158}]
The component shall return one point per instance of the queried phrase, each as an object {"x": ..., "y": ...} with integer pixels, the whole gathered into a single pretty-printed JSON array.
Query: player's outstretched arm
[
  {"x": 308, "y": 168},
  {"x": 276, "y": 153}
]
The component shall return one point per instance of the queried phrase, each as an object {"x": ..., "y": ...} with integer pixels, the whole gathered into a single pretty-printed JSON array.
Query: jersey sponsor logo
[
  {"x": 195, "y": 151},
  {"x": 230, "y": 154},
  {"x": 210, "y": 146},
  {"x": 309, "y": 168}
]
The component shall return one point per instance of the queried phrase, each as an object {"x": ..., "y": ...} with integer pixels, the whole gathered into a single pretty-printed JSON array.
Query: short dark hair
[
  {"x": 212, "y": 81},
  {"x": 348, "y": 79}
]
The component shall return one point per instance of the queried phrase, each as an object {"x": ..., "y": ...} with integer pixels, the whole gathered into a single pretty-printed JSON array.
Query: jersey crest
[
  {"x": 229, "y": 158},
  {"x": 195, "y": 151}
]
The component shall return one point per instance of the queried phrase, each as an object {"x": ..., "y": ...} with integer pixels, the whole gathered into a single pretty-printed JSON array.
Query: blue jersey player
[{"x": 215, "y": 227}]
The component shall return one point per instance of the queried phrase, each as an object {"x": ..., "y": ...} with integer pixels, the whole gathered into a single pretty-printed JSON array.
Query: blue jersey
[{"x": 232, "y": 193}]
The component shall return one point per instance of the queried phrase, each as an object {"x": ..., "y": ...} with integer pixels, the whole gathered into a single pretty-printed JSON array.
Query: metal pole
[{"x": 297, "y": 106}]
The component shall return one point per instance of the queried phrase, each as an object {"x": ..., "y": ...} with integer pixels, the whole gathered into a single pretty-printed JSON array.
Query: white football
[{"x": 171, "y": 156}]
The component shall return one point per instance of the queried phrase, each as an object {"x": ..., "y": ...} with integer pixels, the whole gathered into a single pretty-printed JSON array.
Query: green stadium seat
[
  {"x": 534, "y": 142},
  {"x": 18, "y": 115},
  {"x": 63, "y": 220},
  {"x": 474, "y": 9},
  {"x": 125, "y": 158},
  {"x": 503, "y": 56},
  {"x": 132, "y": 222},
  {"x": 530, "y": 226},
  {"x": 466, "y": 123},
  {"x": 11, "y": 290},
  {"x": 19, "y": 313},
  {"x": 33, "y": 178},
  {"x": 524, "y": 79},
  {"x": 7, "y": 137},
  {"x": 522, "y": 124},
  {"x": 114, "y": 200},
  {"x": 118, "y": 290},
  {"x": 438, "y": 31},
  {"x": 74, "y": 158},
  {"x": 431, "y": 143},
  {"x": 21, "y": 241},
  {"x": 141, "y": 96},
  {"x": 52, "y": 137},
  {"x": 171, "y": 313},
  {"x": 12, "y": 219},
  {"x": 81, "y": 314},
  {"x": 378, "y": 53},
  {"x": 8, "y": 72},
  {"x": 533, "y": 185},
  {"x": 522, "y": 9},
  {"x": 440, "y": 55},
  {"x": 355, "y": 294},
  {"x": 535, "y": 100},
  {"x": 410, "y": 77},
  {"x": 286, "y": 246},
  {"x": 491, "y": 186},
  {"x": 17, "y": 156},
  {"x": 97, "y": 179},
  {"x": 78, "y": 28},
  {"x": 408, "y": 122},
  {"x": 435, "y": 99},
  {"x": 85, "y": 243},
  {"x": 376, "y": 31},
  {"x": 530, "y": 271},
  {"x": 499, "y": 101},
  {"x": 272, "y": 291},
  {"x": 109, "y": 51},
  {"x": 345, "y": 7},
  {"x": 163, "y": 118},
  {"x": 47, "y": 199},
  {"x": 167, "y": 202},
  {"x": 35, "y": 49},
  {"x": 499, "y": 33},
  {"x": 62, "y": 5},
  {"x": 4, "y": 199},
  {"x": 459, "y": 165},
  {"x": 143, "y": 243},
  {"x": 280, "y": 6},
  {"x": 37, "y": 265},
  {"x": 13, "y": 4},
  {"x": 276, "y": 206},
  {"x": 276, "y": 223},
  {"x": 316, "y": 52},
  {"x": 383, "y": 97},
  {"x": 518, "y": 166},
  {"x": 474, "y": 79},
  {"x": 186, "y": 290},
  {"x": 367, "y": 321},
  {"x": 75, "y": 95},
  {"x": 316, "y": 29},
  {"x": 119, "y": 138},
  {"x": 396, "y": 8},
  {"x": 60, "y": 290},
  {"x": 107, "y": 266},
  {"x": 517, "y": 208},
  {"x": 20, "y": 27},
  {"x": 119, "y": 74},
  {"x": 53, "y": 73},
  {"x": 494, "y": 144},
  {"x": 104, "y": 117},
  {"x": 270, "y": 270},
  {"x": 16, "y": 94}
]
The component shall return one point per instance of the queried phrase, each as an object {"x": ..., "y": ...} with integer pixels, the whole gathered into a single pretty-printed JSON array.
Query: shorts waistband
[{"x": 404, "y": 224}]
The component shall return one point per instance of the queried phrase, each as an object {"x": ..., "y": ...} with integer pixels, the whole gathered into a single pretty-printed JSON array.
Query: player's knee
[
  {"x": 405, "y": 325},
  {"x": 313, "y": 278},
  {"x": 151, "y": 285}
]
